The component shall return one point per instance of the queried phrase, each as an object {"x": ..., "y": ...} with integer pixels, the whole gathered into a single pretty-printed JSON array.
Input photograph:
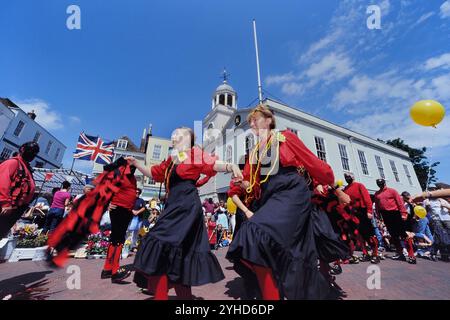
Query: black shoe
[
  {"x": 375, "y": 260},
  {"x": 433, "y": 257},
  {"x": 335, "y": 269},
  {"x": 365, "y": 258},
  {"x": 120, "y": 275},
  {"x": 354, "y": 260},
  {"x": 399, "y": 257},
  {"x": 412, "y": 260},
  {"x": 106, "y": 274}
]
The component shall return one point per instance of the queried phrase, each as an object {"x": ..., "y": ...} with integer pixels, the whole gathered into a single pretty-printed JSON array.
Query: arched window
[
  {"x": 222, "y": 99},
  {"x": 230, "y": 100},
  {"x": 229, "y": 154}
]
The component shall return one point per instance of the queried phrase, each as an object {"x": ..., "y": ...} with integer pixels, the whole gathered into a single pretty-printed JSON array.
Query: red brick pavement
[{"x": 399, "y": 280}]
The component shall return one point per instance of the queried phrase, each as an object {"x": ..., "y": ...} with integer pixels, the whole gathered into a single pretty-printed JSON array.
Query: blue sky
[{"x": 140, "y": 62}]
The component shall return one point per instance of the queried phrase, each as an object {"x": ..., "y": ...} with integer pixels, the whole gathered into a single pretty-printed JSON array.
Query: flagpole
[{"x": 257, "y": 62}]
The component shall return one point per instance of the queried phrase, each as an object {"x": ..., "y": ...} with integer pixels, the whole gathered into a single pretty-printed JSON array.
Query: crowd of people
[{"x": 287, "y": 225}]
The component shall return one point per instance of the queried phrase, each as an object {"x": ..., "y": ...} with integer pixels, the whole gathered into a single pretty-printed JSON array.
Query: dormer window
[{"x": 122, "y": 144}]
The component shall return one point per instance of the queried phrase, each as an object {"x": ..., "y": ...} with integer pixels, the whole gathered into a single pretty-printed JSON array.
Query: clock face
[{"x": 237, "y": 120}]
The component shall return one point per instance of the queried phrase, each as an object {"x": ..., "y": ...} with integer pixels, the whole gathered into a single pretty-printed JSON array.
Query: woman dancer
[
  {"x": 177, "y": 249},
  {"x": 278, "y": 241}
]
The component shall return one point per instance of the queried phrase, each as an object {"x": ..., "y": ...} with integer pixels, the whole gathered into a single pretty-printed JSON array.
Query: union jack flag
[{"x": 94, "y": 149}]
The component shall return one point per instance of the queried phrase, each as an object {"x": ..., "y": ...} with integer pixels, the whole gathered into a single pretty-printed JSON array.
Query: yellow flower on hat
[
  {"x": 281, "y": 137},
  {"x": 182, "y": 156}
]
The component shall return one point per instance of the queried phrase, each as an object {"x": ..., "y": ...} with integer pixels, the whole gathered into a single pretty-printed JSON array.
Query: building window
[
  {"x": 6, "y": 153},
  {"x": 49, "y": 146},
  {"x": 229, "y": 155},
  {"x": 19, "y": 128},
  {"x": 230, "y": 101},
  {"x": 344, "y": 157},
  {"x": 293, "y": 131},
  {"x": 407, "y": 174},
  {"x": 37, "y": 136},
  {"x": 122, "y": 144},
  {"x": 380, "y": 167},
  {"x": 58, "y": 151},
  {"x": 362, "y": 159},
  {"x": 394, "y": 170},
  {"x": 320, "y": 147},
  {"x": 156, "y": 151},
  {"x": 39, "y": 164},
  {"x": 222, "y": 99}
]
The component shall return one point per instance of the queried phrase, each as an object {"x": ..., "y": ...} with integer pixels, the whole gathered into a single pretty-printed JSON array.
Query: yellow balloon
[
  {"x": 428, "y": 113},
  {"x": 231, "y": 206},
  {"x": 339, "y": 183},
  {"x": 420, "y": 212}
]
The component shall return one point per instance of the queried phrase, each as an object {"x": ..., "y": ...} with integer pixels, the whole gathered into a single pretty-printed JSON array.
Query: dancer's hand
[
  {"x": 131, "y": 161},
  {"x": 112, "y": 207},
  {"x": 370, "y": 216},
  {"x": 237, "y": 172},
  {"x": 245, "y": 184},
  {"x": 249, "y": 214},
  {"x": 6, "y": 210}
]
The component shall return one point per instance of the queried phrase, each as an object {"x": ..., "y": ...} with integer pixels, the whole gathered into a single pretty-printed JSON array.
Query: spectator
[
  {"x": 211, "y": 227},
  {"x": 391, "y": 207},
  {"x": 219, "y": 235},
  {"x": 221, "y": 213},
  {"x": 138, "y": 217},
  {"x": 86, "y": 189},
  {"x": 16, "y": 186},
  {"x": 208, "y": 204},
  {"x": 153, "y": 218},
  {"x": 423, "y": 237},
  {"x": 61, "y": 199},
  {"x": 438, "y": 213}
]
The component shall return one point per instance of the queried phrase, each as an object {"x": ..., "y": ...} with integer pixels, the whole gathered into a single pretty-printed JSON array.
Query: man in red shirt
[
  {"x": 361, "y": 204},
  {"x": 16, "y": 186},
  {"x": 390, "y": 205},
  {"x": 120, "y": 212}
]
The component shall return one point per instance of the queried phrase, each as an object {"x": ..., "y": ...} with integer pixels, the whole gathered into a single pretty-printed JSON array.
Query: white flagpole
[{"x": 257, "y": 62}]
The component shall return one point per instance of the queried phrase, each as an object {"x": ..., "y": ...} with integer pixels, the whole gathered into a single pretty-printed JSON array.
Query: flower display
[{"x": 98, "y": 243}]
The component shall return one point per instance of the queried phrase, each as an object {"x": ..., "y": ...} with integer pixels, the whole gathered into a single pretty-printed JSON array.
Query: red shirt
[
  {"x": 126, "y": 197},
  {"x": 388, "y": 199},
  {"x": 360, "y": 197},
  {"x": 197, "y": 162},
  {"x": 8, "y": 170},
  {"x": 235, "y": 190},
  {"x": 294, "y": 153},
  {"x": 211, "y": 228}
]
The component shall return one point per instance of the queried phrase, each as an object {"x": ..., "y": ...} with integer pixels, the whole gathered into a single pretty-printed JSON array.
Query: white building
[
  {"x": 344, "y": 150},
  {"x": 18, "y": 127}
]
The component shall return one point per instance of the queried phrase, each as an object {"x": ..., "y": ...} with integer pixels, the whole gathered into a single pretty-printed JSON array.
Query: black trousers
[
  {"x": 394, "y": 223},
  {"x": 365, "y": 227},
  {"x": 120, "y": 219},
  {"x": 7, "y": 221}
]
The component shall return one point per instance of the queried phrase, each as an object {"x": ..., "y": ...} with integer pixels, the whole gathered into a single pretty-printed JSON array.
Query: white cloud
[
  {"x": 74, "y": 120},
  {"x": 385, "y": 7},
  {"x": 397, "y": 123},
  {"x": 445, "y": 9},
  {"x": 46, "y": 117},
  {"x": 320, "y": 45},
  {"x": 331, "y": 68},
  {"x": 279, "y": 79},
  {"x": 437, "y": 62},
  {"x": 425, "y": 17},
  {"x": 292, "y": 88}
]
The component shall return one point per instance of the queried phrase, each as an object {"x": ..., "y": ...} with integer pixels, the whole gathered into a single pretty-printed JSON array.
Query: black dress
[
  {"x": 282, "y": 236},
  {"x": 178, "y": 246}
]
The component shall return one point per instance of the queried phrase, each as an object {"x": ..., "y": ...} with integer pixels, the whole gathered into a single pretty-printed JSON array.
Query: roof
[{"x": 77, "y": 179}]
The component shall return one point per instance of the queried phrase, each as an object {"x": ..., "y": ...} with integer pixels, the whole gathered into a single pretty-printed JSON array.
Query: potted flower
[
  {"x": 97, "y": 245},
  {"x": 31, "y": 243}
]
